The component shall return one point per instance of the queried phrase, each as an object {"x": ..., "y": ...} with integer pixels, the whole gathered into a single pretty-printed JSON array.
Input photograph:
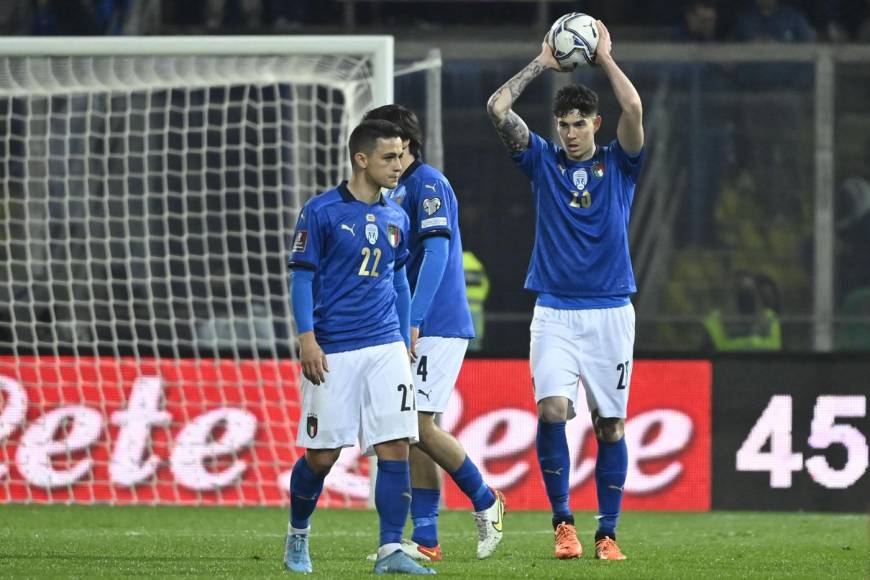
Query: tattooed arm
[{"x": 511, "y": 128}]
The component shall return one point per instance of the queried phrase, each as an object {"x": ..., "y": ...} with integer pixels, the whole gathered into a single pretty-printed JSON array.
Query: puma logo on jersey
[
  {"x": 425, "y": 394},
  {"x": 430, "y": 186},
  {"x": 349, "y": 228},
  {"x": 554, "y": 471}
]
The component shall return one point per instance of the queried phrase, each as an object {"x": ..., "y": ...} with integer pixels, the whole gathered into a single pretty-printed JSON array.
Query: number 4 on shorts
[{"x": 422, "y": 369}]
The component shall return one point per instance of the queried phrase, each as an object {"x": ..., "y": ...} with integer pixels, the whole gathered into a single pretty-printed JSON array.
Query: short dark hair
[
  {"x": 578, "y": 97},
  {"x": 364, "y": 138},
  {"x": 407, "y": 121}
]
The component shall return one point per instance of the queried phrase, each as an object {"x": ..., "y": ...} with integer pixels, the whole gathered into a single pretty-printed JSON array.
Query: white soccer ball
[{"x": 574, "y": 40}]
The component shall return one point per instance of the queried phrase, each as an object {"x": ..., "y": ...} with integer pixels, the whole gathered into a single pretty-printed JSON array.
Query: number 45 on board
[{"x": 775, "y": 425}]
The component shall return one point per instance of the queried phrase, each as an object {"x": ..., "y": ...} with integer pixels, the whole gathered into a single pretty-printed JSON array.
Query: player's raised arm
[
  {"x": 511, "y": 128},
  {"x": 629, "y": 131}
]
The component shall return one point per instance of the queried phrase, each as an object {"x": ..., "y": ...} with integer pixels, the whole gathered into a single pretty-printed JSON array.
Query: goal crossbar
[{"x": 380, "y": 47}]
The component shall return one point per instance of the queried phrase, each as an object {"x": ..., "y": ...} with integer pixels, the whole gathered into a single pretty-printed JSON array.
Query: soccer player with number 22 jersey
[{"x": 351, "y": 304}]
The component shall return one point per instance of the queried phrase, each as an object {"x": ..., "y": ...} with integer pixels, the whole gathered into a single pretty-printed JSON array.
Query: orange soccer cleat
[
  {"x": 607, "y": 549},
  {"x": 431, "y": 554},
  {"x": 567, "y": 544}
]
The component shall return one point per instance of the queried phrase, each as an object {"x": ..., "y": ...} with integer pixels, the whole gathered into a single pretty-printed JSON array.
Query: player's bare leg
[
  {"x": 306, "y": 483},
  {"x": 489, "y": 504},
  {"x": 610, "y": 470},
  {"x": 552, "y": 448},
  {"x": 392, "y": 500}
]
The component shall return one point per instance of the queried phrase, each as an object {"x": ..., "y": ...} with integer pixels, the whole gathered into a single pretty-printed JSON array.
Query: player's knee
[
  {"x": 553, "y": 409},
  {"x": 609, "y": 430},
  {"x": 426, "y": 427},
  {"x": 395, "y": 450},
  {"x": 321, "y": 460}
]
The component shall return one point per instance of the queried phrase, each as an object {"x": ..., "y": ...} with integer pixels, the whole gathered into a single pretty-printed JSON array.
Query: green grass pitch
[{"x": 78, "y": 541}]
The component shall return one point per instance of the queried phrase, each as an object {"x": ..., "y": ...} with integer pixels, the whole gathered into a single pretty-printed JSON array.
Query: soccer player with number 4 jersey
[
  {"x": 351, "y": 302},
  {"x": 582, "y": 330},
  {"x": 441, "y": 327}
]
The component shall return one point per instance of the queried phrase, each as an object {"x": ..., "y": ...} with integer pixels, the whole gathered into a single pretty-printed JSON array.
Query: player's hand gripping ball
[{"x": 574, "y": 40}]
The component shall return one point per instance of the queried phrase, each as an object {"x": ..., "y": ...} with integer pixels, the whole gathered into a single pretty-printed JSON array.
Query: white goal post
[{"x": 149, "y": 188}]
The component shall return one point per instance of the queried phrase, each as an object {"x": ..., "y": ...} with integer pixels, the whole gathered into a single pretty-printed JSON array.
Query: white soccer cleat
[{"x": 490, "y": 526}]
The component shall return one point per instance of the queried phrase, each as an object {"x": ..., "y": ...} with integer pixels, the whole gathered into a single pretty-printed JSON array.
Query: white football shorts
[
  {"x": 436, "y": 369},
  {"x": 368, "y": 397},
  {"x": 594, "y": 348}
]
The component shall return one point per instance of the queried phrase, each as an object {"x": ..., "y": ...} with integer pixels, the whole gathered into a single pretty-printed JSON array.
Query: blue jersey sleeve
[
  {"x": 434, "y": 208},
  {"x": 403, "y": 304},
  {"x": 307, "y": 241},
  {"x": 630, "y": 165},
  {"x": 528, "y": 160},
  {"x": 435, "y": 253},
  {"x": 302, "y": 299}
]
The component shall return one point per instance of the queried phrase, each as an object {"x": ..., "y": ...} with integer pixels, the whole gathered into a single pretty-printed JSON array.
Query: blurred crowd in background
[{"x": 703, "y": 21}]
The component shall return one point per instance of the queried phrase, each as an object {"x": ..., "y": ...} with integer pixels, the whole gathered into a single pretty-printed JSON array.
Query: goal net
[{"x": 150, "y": 188}]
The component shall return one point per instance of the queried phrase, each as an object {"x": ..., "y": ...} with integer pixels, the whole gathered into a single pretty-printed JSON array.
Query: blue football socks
[
  {"x": 305, "y": 488},
  {"x": 469, "y": 480},
  {"x": 610, "y": 470},
  {"x": 554, "y": 460},
  {"x": 392, "y": 499},
  {"x": 424, "y": 514}
]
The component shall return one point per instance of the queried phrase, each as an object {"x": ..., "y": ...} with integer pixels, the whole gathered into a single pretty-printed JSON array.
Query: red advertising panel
[
  {"x": 131, "y": 430},
  {"x": 667, "y": 432}
]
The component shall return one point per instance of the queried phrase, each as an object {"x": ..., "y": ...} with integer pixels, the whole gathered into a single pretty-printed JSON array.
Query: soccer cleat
[
  {"x": 417, "y": 552},
  {"x": 607, "y": 549},
  {"x": 296, "y": 558},
  {"x": 400, "y": 563},
  {"x": 490, "y": 526},
  {"x": 567, "y": 544}
]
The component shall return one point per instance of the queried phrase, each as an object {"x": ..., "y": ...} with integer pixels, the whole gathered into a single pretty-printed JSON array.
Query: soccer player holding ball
[{"x": 582, "y": 330}]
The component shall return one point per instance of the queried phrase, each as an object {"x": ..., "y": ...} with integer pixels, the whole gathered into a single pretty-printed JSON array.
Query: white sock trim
[{"x": 388, "y": 549}]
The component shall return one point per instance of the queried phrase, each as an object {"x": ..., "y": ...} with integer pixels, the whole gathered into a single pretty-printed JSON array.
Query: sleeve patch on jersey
[
  {"x": 433, "y": 222},
  {"x": 301, "y": 241},
  {"x": 431, "y": 205}
]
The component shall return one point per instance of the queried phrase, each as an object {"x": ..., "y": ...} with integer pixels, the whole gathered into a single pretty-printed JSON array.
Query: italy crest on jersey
[
  {"x": 372, "y": 233},
  {"x": 393, "y": 233},
  {"x": 580, "y": 179},
  {"x": 598, "y": 169}
]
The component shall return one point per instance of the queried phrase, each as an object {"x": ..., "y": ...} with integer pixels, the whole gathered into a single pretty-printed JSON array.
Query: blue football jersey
[
  {"x": 430, "y": 202},
  {"x": 581, "y": 223},
  {"x": 354, "y": 248}
]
